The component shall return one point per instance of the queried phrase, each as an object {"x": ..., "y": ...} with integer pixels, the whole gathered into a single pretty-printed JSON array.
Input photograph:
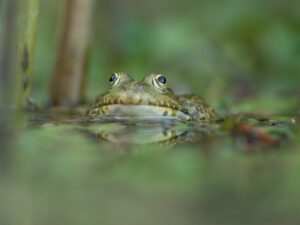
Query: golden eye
[
  {"x": 159, "y": 82},
  {"x": 114, "y": 79}
]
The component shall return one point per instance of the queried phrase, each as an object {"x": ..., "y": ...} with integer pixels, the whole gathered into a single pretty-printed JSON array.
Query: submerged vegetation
[{"x": 59, "y": 166}]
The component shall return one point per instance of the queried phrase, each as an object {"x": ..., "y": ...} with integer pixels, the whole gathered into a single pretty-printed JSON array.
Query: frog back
[{"x": 196, "y": 108}]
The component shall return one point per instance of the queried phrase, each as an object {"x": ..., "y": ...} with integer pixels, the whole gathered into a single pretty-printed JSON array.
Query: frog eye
[
  {"x": 161, "y": 79},
  {"x": 114, "y": 79},
  {"x": 159, "y": 83}
]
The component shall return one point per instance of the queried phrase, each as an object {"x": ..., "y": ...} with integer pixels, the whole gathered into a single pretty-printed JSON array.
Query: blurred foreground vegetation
[{"x": 65, "y": 171}]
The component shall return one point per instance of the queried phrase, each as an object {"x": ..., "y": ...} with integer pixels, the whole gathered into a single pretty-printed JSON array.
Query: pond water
[{"x": 65, "y": 169}]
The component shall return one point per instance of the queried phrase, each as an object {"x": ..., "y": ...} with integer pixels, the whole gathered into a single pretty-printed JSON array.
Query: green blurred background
[
  {"x": 229, "y": 52},
  {"x": 242, "y": 56}
]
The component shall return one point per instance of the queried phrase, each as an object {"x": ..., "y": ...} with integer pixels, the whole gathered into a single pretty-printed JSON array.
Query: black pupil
[
  {"x": 162, "y": 79},
  {"x": 112, "y": 78}
]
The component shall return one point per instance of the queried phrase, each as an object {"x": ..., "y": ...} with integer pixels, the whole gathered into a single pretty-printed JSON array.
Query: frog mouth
[
  {"x": 136, "y": 101},
  {"x": 131, "y": 104},
  {"x": 120, "y": 111},
  {"x": 134, "y": 105}
]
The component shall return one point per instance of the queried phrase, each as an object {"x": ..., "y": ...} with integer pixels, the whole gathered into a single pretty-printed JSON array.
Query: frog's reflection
[
  {"x": 162, "y": 133},
  {"x": 131, "y": 131}
]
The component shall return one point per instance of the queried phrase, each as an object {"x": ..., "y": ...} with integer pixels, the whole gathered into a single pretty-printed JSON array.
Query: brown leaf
[{"x": 249, "y": 136}]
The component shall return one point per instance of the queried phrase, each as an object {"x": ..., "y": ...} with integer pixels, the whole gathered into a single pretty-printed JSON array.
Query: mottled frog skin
[{"x": 149, "y": 98}]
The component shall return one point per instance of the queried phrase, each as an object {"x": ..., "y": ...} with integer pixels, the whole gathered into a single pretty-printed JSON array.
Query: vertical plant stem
[
  {"x": 70, "y": 68},
  {"x": 27, "y": 24},
  {"x": 17, "y": 38},
  {"x": 18, "y": 31}
]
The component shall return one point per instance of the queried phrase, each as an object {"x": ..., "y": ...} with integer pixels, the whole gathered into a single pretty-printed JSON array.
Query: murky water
[{"x": 64, "y": 169}]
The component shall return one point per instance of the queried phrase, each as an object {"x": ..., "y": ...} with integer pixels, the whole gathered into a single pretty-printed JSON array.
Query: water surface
[{"x": 59, "y": 168}]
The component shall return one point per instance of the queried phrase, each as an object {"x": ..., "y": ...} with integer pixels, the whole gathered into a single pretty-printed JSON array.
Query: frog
[{"x": 149, "y": 98}]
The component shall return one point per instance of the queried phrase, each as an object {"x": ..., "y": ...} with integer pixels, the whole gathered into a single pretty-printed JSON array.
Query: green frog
[{"x": 149, "y": 98}]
